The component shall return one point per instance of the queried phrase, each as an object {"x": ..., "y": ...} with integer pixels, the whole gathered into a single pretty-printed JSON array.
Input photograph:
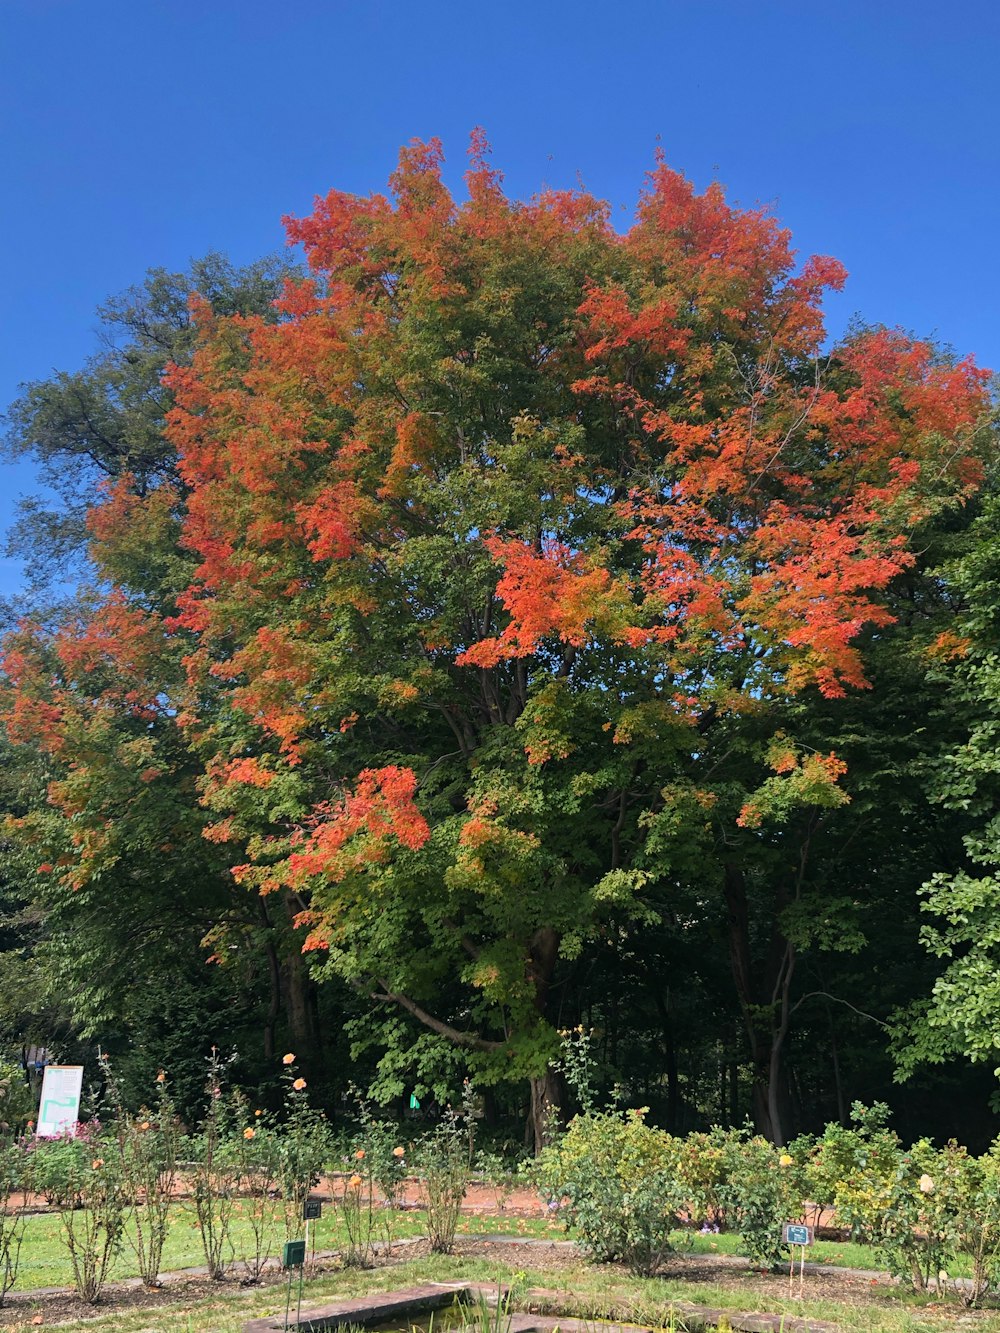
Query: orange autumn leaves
[
  {"x": 484, "y": 442},
  {"x": 745, "y": 500}
]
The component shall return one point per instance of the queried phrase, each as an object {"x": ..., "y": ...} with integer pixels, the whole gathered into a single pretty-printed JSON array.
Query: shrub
[
  {"x": 759, "y": 1194},
  {"x": 304, "y": 1147},
  {"x": 702, "y": 1163},
  {"x": 55, "y": 1166},
  {"x": 620, "y": 1177},
  {"x": 357, "y": 1206},
  {"x": 214, "y": 1176},
  {"x": 92, "y": 1231},
  {"x": 444, "y": 1162},
  {"x": 976, "y": 1183},
  {"x": 14, "y": 1183},
  {"x": 16, "y": 1101},
  {"x": 148, "y": 1144},
  {"x": 255, "y": 1151}
]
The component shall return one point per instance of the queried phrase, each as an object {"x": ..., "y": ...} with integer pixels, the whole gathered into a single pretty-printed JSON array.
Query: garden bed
[{"x": 556, "y": 1285}]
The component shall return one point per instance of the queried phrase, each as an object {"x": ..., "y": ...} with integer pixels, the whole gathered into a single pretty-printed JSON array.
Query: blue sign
[{"x": 795, "y": 1234}]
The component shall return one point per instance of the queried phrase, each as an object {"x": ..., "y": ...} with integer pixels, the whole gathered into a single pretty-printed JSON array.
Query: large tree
[
  {"x": 517, "y": 538},
  {"x": 105, "y": 802}
]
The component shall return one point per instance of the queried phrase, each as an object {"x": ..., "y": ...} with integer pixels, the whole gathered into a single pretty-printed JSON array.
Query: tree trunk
[
  {"x": 297, "y": 983},
  {"x": 764, "y": 992},
  {"x": 274, "y": 1003},
  {"x": 545, "y": 1096},
  {"x": 838, "y": 1082},
  {"x": 664, "y": 1007},
  {"x": 545, "y": 1092}
]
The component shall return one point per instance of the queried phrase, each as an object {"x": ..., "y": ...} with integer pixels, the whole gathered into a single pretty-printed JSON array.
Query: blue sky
[{"x": 145, "y": 132}]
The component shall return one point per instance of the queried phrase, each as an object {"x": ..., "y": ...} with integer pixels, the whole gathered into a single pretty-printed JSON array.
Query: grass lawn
[
  {"x": 592, "y": 1293},
  {"x": 45, "y": 1263},
  {"x": 835, "y": 1253}
]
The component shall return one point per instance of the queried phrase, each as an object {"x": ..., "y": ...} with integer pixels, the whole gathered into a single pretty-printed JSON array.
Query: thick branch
[{"x": 435, "y": 1024}]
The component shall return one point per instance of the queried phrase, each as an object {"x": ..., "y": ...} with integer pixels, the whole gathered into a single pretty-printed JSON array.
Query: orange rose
[
  {"x": 299, "y": 1084},
  {"x": 288, "y": 1059},
  {"x": 399, "y": 1152},
  {"x": 248, "y": 1133},
  {"x": 355, "y": 1182},
  {"x": 360, "y": 1154}
]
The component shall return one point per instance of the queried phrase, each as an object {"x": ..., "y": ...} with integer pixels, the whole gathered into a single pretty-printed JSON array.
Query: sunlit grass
[
  {"x": 45, "y": 1263},
  {"x": 591, "y": 1293}
]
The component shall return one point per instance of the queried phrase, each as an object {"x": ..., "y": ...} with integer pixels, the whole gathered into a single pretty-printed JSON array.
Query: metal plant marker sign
[
  {"x": 293, "y": 1256},
  {"x": 796, "y": 1233}
]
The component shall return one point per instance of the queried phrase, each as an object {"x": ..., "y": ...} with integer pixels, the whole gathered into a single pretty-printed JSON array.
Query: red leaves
[
  {"x": 278, "y": 667},
  {"x": 612, "y": 324},
  {"x": 359, "y": 830},
  {"x": 248, "y": 771},
  {"x": 699, "y": 498},
  {"x": 551, "y": 592},
  {"x": 329, "y": 522},
  {"x": 119, "y": 638}
]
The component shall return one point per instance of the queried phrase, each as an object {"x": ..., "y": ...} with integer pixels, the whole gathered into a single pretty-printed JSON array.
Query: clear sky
[{"x": 144, "y": 132}]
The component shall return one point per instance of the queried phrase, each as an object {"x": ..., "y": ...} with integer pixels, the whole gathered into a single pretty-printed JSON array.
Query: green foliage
[
  {"x": 758, "y": 1195},
  {"x": 148, "y": 1144},
  {"x": 975, "y": 1185},
  {"x": 93, "y": 1207},
  {"x": 443, "y": 1158},
  {"x": 620, "y": 1178},
  {"x": 14, "y": 1183},
  {"x": 17, "y": 1105}
]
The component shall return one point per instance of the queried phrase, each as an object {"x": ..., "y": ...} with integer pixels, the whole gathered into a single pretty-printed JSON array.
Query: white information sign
[{"x": 60, "y": 1105}]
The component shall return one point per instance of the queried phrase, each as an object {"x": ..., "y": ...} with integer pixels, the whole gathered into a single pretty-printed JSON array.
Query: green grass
[
  {"x": 590, "y": 1293},
  {"x": 835, "y": 1253},
  {"x": 45, "y": 1263}
]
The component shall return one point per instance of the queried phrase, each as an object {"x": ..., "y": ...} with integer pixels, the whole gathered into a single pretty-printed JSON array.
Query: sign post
[
  {"x": 293, "y": 1256},
  {"x": 59, "y": 1108},
  {"x": 312, "y": 1211},
  {"x": 796, "y": 1234}
]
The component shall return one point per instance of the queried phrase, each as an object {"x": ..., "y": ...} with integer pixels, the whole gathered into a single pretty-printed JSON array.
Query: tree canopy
[{"x": 501, "y": 594}]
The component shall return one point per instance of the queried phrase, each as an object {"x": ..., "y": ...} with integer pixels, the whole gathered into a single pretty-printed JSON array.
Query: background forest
[{"x": 502, "y": 624}]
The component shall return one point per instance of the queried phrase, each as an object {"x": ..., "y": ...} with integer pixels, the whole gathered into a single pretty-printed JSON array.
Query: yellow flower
[
  {"x": 248, "y": 1133},
  {"x": 299, "y": 1084},
  {"x": 355, "y": 1182},
  {"x": 399, "y": 1152},
  {"x": 784, "y": 1160},
  {"x": 288, "y": 1059}
]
